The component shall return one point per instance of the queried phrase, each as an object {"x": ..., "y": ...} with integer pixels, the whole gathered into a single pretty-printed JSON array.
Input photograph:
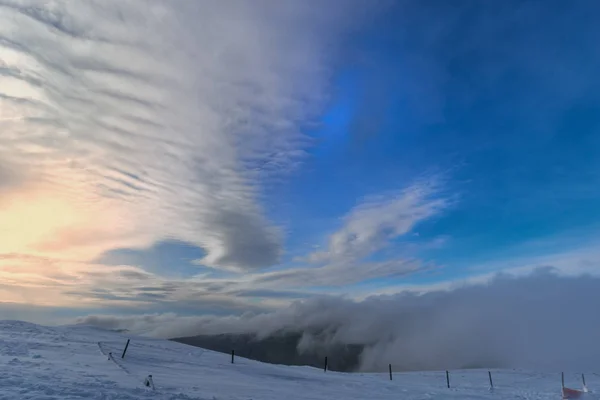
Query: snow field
[{"x": 72, "y": 363}]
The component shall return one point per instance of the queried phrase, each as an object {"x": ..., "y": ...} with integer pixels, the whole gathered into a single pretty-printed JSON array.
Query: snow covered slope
[{"x": 71, "y": 363}]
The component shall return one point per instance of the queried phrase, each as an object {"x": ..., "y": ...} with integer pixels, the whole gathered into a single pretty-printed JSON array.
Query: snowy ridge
[{"x": 72, "y": 363}]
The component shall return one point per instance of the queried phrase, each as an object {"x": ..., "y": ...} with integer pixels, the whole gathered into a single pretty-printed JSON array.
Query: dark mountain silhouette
[{"x": 279, "y": 349}]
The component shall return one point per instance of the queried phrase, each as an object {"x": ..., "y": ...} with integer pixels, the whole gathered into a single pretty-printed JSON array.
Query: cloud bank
[{"x": 540, "y": 321}]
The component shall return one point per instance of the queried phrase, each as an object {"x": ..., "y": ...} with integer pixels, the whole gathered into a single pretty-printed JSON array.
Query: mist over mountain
[
  {"x": 281, "y": 348},
  {"x": 287, "y": 349},
  {"x": 541, "y": 320}
]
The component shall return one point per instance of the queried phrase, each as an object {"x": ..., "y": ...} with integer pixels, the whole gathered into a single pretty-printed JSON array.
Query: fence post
[
  {"x": 232, "y": 355},
  {"x": 125, "y": 349},
  {"x": 491, "y": 382},
  {"x": 448, "y": 379},
  {"x": 390, "y": 371},
  {"x": 325, "y": 369}
]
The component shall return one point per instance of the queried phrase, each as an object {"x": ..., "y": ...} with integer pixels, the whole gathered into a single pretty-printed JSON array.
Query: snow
[{"x": 73, "y": 362}]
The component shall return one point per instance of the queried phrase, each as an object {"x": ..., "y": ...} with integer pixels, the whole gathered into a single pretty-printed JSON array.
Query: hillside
[
  {"x": 279, "y": 349},
  {"x": 72, "y": 363}
]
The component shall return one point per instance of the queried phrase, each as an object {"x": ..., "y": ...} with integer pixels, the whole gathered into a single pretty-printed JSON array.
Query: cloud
[
  {"x": 55, "y": 282},
  {"x": 171, "y": 110},
  {"x": 48, "y": 282},
  {"x": 125, "y": 124},
  {"x": 371, "y": 225},
  {"x": 9, "y": 178},
  {"x": 130, "y": 278},
  {"x": 367, "y": 229},
  {"x": 536, "y": 321},
  {"x": 338, "y": 275}
]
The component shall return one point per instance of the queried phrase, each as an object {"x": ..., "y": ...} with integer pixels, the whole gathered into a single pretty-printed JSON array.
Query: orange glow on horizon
[
  {"x": 27, "y": 219},
  {"x": 43, "y": 222},
  {"x": 49, "y": 240}
]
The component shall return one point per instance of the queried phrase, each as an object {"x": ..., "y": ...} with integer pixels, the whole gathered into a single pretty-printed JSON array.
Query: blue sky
[
  {"x": 151, "y": 162},
  {"x": 507, "y": 119}
]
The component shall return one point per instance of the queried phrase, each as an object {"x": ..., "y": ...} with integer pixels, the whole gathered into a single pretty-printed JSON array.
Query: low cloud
[{"x": 540, "y": 320}]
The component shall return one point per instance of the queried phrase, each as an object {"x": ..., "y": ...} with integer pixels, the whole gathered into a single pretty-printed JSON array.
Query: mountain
[{"x": 280, "y": 349}]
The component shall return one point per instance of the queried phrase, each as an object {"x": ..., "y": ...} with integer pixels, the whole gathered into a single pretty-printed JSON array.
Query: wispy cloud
[
  {"x": 125, "y": 124},
  {"x": 371, "y": 225},
  {"x": 51, "y": 282},
  {"x": 336, "y": 275},
  {"x": 150, "y": 120},
  {"x": 34, "y": 277}
]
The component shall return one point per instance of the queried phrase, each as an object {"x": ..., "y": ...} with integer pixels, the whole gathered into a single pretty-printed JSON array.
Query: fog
[{"x": 540, "y": 321}]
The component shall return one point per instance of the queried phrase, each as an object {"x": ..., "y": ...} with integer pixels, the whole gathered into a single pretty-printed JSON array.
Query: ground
[{"x": 72, "y": 363}]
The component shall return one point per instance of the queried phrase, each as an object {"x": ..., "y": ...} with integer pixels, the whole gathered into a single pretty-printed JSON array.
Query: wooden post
[
  {"x": 390, "y": 371},
  {"x": 125, "y": 349},
  {"x": 448, "y": 379},
  {"x": 491, "y": 382},
  {"x": 232, "y": 355},
  {"x": 562, "y": 379},
  {"x": 325, "y": 369}
]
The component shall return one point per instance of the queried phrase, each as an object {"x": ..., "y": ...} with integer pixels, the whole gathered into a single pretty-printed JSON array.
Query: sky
[{"x": 231, "y": 157}]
